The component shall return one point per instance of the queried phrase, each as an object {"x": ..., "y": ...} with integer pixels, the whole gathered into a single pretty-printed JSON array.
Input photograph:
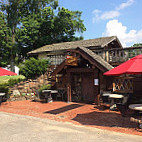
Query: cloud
[
  {"x": 109, "y": 15},
  {"x": 124, "y": 5},
  {"x": 96, "y": 11},
  {"x": 127, "y": 38},
  {"x": 99, "y": 15}
]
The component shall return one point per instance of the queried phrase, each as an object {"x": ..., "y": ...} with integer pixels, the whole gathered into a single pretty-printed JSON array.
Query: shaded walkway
[
  {"x": 64, "y": 109},
  {"x": 105, "y": 119}
]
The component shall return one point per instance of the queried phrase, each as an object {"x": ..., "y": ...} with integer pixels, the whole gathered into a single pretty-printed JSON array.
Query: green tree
[
  {"x": 137, "y": 45},
  {"x": 12, "y": 11},
  {"x": 15, "y": 10},
  {"x": 35, "y": 23},
  {"x": 47, "y": 27},
  {"x": 66, "y": 24},
  {"x": 33, "y": 67},
  {"x": 5, "y": 41}
]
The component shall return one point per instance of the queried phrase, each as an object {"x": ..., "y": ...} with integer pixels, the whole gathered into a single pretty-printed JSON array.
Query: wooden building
[
  {"x": 56, "y": 53},
  {"x": 79, "y": 66},
  {"x": 82, "y": 74}
]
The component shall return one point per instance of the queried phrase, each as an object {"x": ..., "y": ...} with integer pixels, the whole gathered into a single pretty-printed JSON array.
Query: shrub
[
  {"x": 4, "y": 89},
  {"x": 33, "y": 67},
  {"x": 44, "y": 87},
  {"x": 12, "y": 82},
  {"x": 4, "y": 79}
]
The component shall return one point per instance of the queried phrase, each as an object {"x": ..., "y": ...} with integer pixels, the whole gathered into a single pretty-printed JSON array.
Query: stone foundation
[{"x": 29, "y": 86}]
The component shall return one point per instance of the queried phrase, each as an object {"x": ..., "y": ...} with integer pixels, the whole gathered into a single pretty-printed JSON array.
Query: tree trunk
[{"x": 12, "y": 50}]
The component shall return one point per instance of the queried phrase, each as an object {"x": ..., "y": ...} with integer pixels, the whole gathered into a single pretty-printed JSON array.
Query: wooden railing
[
  {"x": 123, "y": 84},
  {"x": 117, "y": 56}
]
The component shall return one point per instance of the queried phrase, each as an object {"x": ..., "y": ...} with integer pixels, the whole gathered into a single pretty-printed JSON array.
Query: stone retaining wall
[{"x": 30, "y": 85}]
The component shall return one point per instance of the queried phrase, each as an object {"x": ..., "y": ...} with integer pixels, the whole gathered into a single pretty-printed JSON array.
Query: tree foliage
[
  {"x": 15, "y": 11},
  {"x": 137, "y": 45},
  {"x": 33, "y": 67},
  {"x": 49, "y": 27},
  {"x": 35, "y": 23},
  {"x": 5, "y": 41}
]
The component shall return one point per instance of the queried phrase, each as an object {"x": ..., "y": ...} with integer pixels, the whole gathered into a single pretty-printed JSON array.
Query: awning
[
  {"x": 4, "y": 72},
  {"x": 132, "y": 66}
]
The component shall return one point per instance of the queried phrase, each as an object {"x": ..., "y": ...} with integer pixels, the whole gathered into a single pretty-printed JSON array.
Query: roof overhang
[{"x": 98, "y": 42}]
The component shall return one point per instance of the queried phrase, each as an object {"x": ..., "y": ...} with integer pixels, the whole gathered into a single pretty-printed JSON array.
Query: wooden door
[
  {"x": 88, "y": 92},
  {"x": 76, "y": 87}
]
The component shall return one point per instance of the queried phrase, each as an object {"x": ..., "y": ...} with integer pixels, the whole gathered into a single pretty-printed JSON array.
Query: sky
[{"x": 121, "y": 18}]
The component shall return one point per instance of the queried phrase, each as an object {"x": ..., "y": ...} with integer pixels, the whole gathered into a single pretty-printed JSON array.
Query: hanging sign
[{"x": 71, "y": 60}]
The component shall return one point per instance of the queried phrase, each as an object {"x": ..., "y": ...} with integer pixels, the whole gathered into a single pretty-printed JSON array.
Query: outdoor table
[
  {"x": 54, "y": 94},
  {"x": 139, "y": 108},
  {"x": 1, "y": 95},
  {"x": 105, "y": 97},
  {"x": 106, "y": 94},
  {"x": 54, "y": 91},
  {"x": 47, "y": 95},
  {"x": 113, "y": 97},
  {"x": 136, "y": 107}
]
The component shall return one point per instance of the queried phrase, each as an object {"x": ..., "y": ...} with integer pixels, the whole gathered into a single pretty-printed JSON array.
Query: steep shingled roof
[{"x": 98, "y": 42}]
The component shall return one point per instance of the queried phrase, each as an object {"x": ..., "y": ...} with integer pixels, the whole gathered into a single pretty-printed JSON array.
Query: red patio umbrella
[
  {"x": 132, "y": 66},
  {"x": 4, "y": 72}
]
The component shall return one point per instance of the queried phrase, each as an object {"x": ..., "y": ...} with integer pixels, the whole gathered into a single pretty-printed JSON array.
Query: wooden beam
[
  {"x": 80, "y": 70},
  {"x": 69, "y": 97},
  {"x": 59, "y": 68}
]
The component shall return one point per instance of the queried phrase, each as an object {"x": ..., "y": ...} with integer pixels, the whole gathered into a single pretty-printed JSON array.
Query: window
[{"x": 56, "y": 59}]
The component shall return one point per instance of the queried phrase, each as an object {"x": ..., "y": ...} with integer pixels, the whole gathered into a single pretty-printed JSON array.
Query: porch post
[
  {"x": 69, "y": 87},
  {"x": 69, "y": 93},
  {"x": 107, "y": 56}
]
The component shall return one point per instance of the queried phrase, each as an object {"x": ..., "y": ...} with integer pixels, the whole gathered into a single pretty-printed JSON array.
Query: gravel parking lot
[{"x": 18, "y": 128}]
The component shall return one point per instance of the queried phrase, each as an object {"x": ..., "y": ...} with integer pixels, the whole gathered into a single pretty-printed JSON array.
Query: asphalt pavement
[{"x": 18, "y": 128}]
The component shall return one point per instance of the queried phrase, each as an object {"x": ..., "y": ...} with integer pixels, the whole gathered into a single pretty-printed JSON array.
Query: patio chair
[
  {"x": 134, "y": 116},
  {"x": 122, "y": 106},
  {"x": 105, "y": 96},
  {"x": 124, "y": 110}
]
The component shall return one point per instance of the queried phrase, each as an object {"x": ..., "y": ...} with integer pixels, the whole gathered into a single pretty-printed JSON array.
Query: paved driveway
[{"x": 18, "y": 128}]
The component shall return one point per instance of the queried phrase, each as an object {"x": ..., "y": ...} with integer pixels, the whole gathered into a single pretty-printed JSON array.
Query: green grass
[{"x": 4, "y": 79}]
